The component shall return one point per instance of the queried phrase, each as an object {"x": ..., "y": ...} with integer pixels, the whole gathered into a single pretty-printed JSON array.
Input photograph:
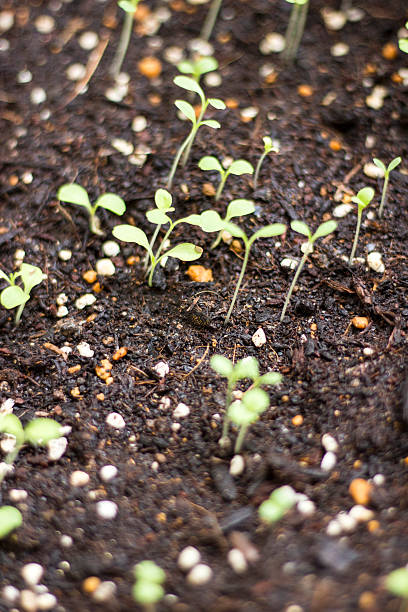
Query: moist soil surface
[{"x": 173, "y": 487}]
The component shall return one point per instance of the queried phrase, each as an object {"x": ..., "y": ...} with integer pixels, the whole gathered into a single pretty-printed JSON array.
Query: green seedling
[
  {"x": 279, "y": 503},
  {"x": 75, "y": 194},
  {"x": 196, "y": 68},
  {"x": 307, "y": 247},
  {"x": 129, "y": 6},
  {"x": 246, "y": 411},
  {"x": 10, "y": 519},
  {"x": 236, "y": 208},
  {"x": 362, "y": 199},
  {"x": 295, "y": 29},
  {"x": 208, "y": 221},
  {"x": 187, "y": 109},
  {"x": 210, "y": 20},
  {"x": 237, "y": 167},
  {"x": 269, "y": 147},
  {"x": 403, "y": 42},
  {"x": 386, "y": 169},
  {"x": 397, "y": 583},
  {"x": 15, "y": 296},
  {"x": 147, "y": 590},
  {"x": 276, "y": 229},
  {"x": 249, "y": 412},
  {"x": 37, "y": 432}
]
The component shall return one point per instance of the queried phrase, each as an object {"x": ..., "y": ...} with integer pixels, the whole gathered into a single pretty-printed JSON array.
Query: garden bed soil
[{"x": 173, "y": 486}]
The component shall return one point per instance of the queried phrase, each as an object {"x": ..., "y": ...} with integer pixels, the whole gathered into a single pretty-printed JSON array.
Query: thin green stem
[
  {"x": 217, "y": 240},
  {"x": 294, "y": 31},
  {"x": 220, "y": 187},
  {"x": 194, "y": 132},
  {"x": 258, "y": 167},
  {"x": 210, "y": 20},
  {"x": 383, "y": 196},
  {"x": 240, "y": 438},
  {"x": 19, "y": 313},
  {"x": 123, "y": 44},
  {"x": 153, "y": 264},
  {"x": 228, "y": 401},
  {"x": 153, "y": 240},
  {"x": 292, "y": 286},
  {"x": 353, "y": 250},
  {"x": 241, "y": 276},
  {"x": 95, "y": 224},
  {"x": 177, "y": 158}
]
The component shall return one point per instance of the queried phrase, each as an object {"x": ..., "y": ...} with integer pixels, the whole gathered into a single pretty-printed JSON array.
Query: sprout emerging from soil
[
  {"x": 403, "y": 42},
  {"x": 75, "y": 194},
  {"x": 129, "y": 6},
  {"x": 268, "y": 148},
  {"x": 237, "y": 167},
  {"x": 324, "y": 229},
  {"x": 188, "y": 110},
  {"x": 208, "y": 221},
  {"x": 386, "y": 169},
  {"x": 295, "y": 29},
  {"x": 210, "y": 20},
  {"x": 276, "y": 229},
  {"x": 279, "y": 503},
  {"x": 147, "y": 590},
  {"x": 247, "y": 410},
  {"x": 362, "y": 199},
  {"x": 236, "y": 208},
  {"x": 397, "y": 583},
  {"x": 10, "y": 519},
  {"x": 196, "y": 68},
  {"x": 15, "y": 296}
]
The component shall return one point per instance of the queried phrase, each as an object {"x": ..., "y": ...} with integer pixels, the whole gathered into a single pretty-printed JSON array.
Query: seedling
[
  {"x": 208, "y": 221},
  {"x": 75, "y": 194},
  {"x": 210, "y": 20},
  {"x": 391, "y": 166},
  {"x": 236, "y": 208},
  {"x": 37, "y": 432},
  {"x": 362, "y": 199},
  {"x": 10, "y": 519},
  {"x": 196, "y": 68},
  {"x": 269, "y": 147},
  {"x": 295, "y": 28},
  {"x": 187, "y": 109},
  {"x": 238, "y": 167},
  {"x": 265, "y": 232},
  {"x": 403, "y": 42},
  {"x": 247, "y": 413},
  {"x": 397, "y": 583},
  {"x": 279, "y": 503},
  {"x": 307, "y": 247},
  {"x": 147, "y": 590},
  {"x": 129, "y": 6},
  {"x": 15, "y": 296}
]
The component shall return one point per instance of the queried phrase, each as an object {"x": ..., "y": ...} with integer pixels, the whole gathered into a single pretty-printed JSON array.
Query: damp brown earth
[{"x": 340, "y": 413}]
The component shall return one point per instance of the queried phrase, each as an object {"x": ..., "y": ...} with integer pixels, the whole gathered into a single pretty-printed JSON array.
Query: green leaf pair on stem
[
  {"x": 188, "y": 110},
  {"x": 254, "y": 401},
  {"x": 237, "y": 167},
  {"x": 75, "y": 194},
  {"x": 386, "y": 169},
  {"x": 324, "y": 229},
  {"x": 15, "y": 296},
  {"x": 362, "y": 199},
  {"x": 147, "y": 590},
  {"x": 197, "y": 67},
  {"x": 280, "y": 501}
]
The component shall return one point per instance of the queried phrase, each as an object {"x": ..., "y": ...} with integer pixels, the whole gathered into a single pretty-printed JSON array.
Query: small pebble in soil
[
  {"x": 173, "y": 54},
  {"x": 379, "y": 480},
  {"x": 329, "y": 443},
  {"x": 106, "y": 509},
  {"x": 259, "y": 338},
  {"x": 164, "y": 403},
  {"x": 376, "y": 99},
  {"x": 108, "y": 472},
  {"x": 62, "y": 311},
  {"x": 368, "y": 351},
  {"x": 116, "y": 93},
  {"x": 90, "y": 584},
  {"x": 10, "y": 594},
  {"x": 272, "y": 43},
  {"x": 56, "y": 448},
  {"x": 46, "y": 601},
  {"x": 342, "y": 210},
  {"x": 249, "y": 113},
  {"x": 237, "y": 561},
  {"x": 79, "y": 478},
  {"x": 75, "y": 72},
  {"x": 139, "y": 123},
  {"x": 65, "y": 254},
  {"x": 66, "y": 541},
  {"x": 162, "y": 369},
  {"x": 188, "y": 558},
  {"x": 105, "y": 267},
  {"x": 306, "y": 507},
  {"x": 44, "y": 24},
  {"x": 104, "y": 591},
  {"x": 114, "y": 419},
  {"x": 237, "y": 465},
  {"x": 38, "y": 95},
  {"x": 123, "y": 146},
  {"x": 200, "y": 46},
  {"x": 372, "y": 171},
  {"x": 199, "y": 575},
  {"x": 85, "y": 350},
  {"x": 88, "y": 40},
  {"x": 333, "y": 20},
  {"x": 288, "y": 262},
  {"x": 213, "y": 79},
  {"x": 328, "y": 462},
  {"x": 340, "y": 49},
  {"x": 24, "y": 76},
  {"x": 361, "y": 514},
  {"x": 27, "y": 178},
  {"x": 18, "y": 495},
  {"x": 28, "y": 600},
  {"x": 361, "y": 490},
  {"x": 375, "y": 262},
  {"x": 85, "y": 300},
  {"x": 32, "y": 573},
  {"x": 360, "y": 322},
  {"x": 346, "y": 521},
  {"x": 181, "y": 411},
  {"x": 62, "y": 299},
  {"x": 6, "y": 20}
]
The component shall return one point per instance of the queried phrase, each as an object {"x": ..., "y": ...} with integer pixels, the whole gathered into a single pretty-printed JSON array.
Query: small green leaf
[
  {"x": 246, "y": 368},
  {"x": 325, "y": 229},
  {"x": 403, "y": 44},
  {"x": 221, "y": 365},
  {"x": 276, "y": 229},
  {"x": 189, "y": 84},
  {"x": 128, "y": 233},
  {"x": 186, "y": 109},
  {"x": 270, "y": 378},
  {"x": 205, "y": 64},
  {"x": 148, "y": 571},
  {"x": 74, "y": 194},
  {"x": 128, "y": 7},
  {"x": 158, "y": 217},
  {"x": 13, "y": 296},
  {"x": 284, "y": 496},
  {"x": 234, "y": 230},
  {"x": 256, "y": 400},
  {"x": 11, "y": 424},
  {"x": 397, "y": 582},
  {"x": 239, "y": 208},
  {"x": 31, "y": 276},
  {"x": 147, "y": 593},
  {"x": 217, "y": 103},
  {"x": 10, "y": 519},
  {"x": 208, "y": 221},
  {"x": 379, "y": 164},
  {"x": 163, "y": 200},
  {"x": 270, "y": 512},
  {"x": 111, "y": 202},
  {"x": 40, "y": 431},
  {"x": 186, "y": 67},
  {"x": 209, "y": 162},
  {"x": 301, "y": 228},
  {"x": 364, "y": 197},
  {"x": 239, "y": 414},
  {"x": 186, "y": 251},
  {"x": 393, "y": 164},
  {"x": 240, "y": 166},
  {"x": 211, "y": 123},
  {"x": 280, "y": 501},
  {"x": 4, "y": 276}
]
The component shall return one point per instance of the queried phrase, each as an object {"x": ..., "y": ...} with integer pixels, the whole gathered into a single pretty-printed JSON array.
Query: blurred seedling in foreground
[
  {"x": 15, "y": 296},
  {"x": 237, "y": 167},
  {"x": 10, "y": 519},
  {"x": 75, "y": 194},
  {"x": 280, "y": 501},
  {"x": 295, "y": 29},
  {"x": 362, "y": 199},
  {"x": 197, "y": 67},
  {"x": 269, "y": 147},
  {"x": 397, "y": 583},
  {"x": 210, "y": 20},
  {"x": 403, "y": 42},
  {"x": 307, "y": 248},
  {"x": 147, "y": 590},
  {"x": 129, "y": 7},
  {"x": 386, "y": 169}
]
